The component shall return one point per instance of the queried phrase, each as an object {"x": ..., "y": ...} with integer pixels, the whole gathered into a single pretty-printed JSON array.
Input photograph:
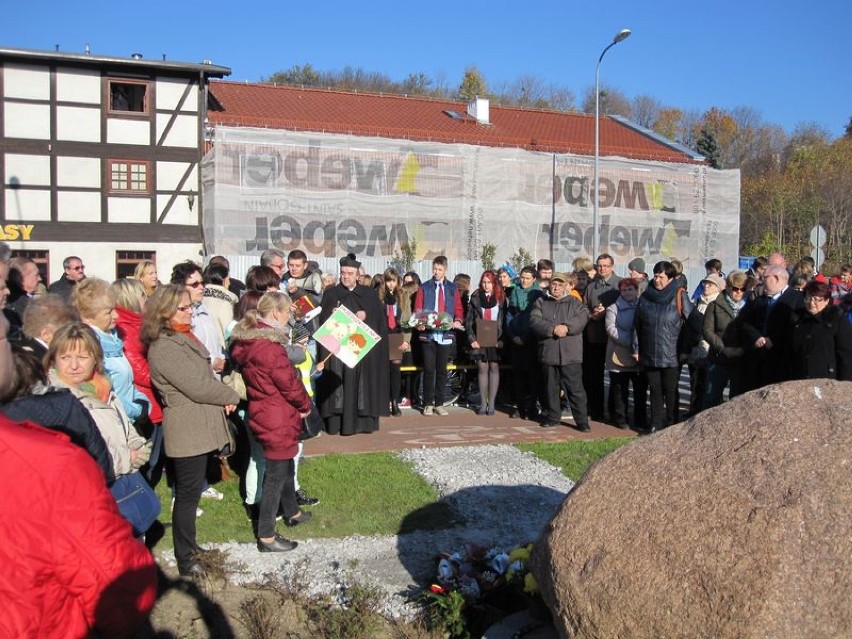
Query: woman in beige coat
[{"x": 195, "y": 403}]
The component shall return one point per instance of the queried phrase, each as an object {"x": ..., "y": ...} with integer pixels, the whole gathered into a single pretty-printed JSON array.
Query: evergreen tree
[
  {"x": 472, "y": 85},
  {"x": 707, "y": 146}
]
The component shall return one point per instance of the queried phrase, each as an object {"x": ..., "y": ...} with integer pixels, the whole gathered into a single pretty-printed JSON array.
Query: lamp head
[{"x": 621, "y": 35}]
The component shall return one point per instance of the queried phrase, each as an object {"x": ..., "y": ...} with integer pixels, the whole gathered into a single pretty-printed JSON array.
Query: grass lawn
[
  {"x": 367, "y": 494},
  {"x": 573, "y": 458}
]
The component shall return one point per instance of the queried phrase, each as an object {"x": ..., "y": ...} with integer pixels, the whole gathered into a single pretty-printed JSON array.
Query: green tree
[
  {"x": 404, "y": 257},
  {"x": 520, "y": 259},
  {"x": 848, "y": 133},
  {"x": 486, "y": 256},
  {"x": 472, "y": 84},
  {"x": 707, "y": 146}
]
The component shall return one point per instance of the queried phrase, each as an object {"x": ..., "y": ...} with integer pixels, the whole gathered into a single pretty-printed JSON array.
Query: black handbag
[{"x": 311, "y": 425}]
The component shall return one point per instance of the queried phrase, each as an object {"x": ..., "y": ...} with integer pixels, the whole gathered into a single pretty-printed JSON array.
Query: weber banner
[{"x": 333, "y": 194}]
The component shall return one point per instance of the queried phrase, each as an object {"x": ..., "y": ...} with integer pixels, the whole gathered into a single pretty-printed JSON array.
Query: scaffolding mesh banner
[{"x": 329, "y": 194}]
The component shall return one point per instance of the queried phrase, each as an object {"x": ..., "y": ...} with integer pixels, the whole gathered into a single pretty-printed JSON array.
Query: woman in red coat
[
  {"x": 130, "y": 300},
  {"x": 71, "y": 567},
  {"x": 277, "y": 402}
]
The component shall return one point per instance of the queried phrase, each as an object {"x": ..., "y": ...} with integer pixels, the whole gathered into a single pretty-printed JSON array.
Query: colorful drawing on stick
[{"x": 346, "y": 336}]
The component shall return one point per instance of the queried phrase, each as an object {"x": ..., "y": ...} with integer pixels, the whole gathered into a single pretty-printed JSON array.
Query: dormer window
[{"x": 128, "y": 97}]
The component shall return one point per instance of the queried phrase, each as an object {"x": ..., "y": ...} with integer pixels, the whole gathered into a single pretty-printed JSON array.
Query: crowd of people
[
  {"x": 559, "y": 335},
  {"x": 151, "y": 379}
]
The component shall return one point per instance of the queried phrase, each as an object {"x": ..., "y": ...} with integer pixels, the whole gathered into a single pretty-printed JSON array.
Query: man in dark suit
[{"x": 767, "y": 321}]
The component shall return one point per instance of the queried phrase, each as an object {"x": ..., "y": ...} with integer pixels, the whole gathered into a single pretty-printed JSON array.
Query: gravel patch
[{"x": 500, "y": 495}]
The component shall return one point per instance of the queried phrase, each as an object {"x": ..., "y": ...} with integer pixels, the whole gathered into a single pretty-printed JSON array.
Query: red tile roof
[{"x": 424, "y": 119}]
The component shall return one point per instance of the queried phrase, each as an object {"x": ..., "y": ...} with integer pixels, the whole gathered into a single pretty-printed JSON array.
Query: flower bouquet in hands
[{"x": 431, "y": 320}]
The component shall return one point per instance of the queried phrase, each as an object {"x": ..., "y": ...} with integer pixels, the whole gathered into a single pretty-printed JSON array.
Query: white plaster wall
[
  {"x": 184, "y": 131},
  {"x": 78, "y": 86},
  {"x": 21, "y": 81},
  {"x": 28, "y": 170},
  {"x": 99, "y": 257},
  {"x": 169, "y": 93},
  {"x": 74, "y": 171},
  {"x": 78, "y": 207},
  {"x": 80, "y": 124},
  {"x": 169, "y": 175},
  {"x": 27, "y": 121},
  {"x": 179, "y": 213},
  {"x": 129, "y": 209},
  {"x": 126, "y": 131},
  {"x": 25, "y": 204}
]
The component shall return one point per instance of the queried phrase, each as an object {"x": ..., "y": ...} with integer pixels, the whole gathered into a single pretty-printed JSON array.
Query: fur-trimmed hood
[
  {"x": 261, "y": 331},
  {"x": 243, "y": 342}
]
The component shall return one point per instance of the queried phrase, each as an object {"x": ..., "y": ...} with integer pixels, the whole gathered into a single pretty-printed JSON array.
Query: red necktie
[
  {"x": 391, "y": 316},
  {"x": 441, "y": 302}
]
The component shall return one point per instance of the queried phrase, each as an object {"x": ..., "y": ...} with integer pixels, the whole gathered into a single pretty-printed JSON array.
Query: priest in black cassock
[{"x": 351, "y": 400}]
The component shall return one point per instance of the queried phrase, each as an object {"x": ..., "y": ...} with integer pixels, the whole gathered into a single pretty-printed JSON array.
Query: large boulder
[{"x": 737, "y": 523}]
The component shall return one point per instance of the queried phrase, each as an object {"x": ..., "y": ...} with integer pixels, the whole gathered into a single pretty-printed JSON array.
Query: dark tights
[
  {"x": 395, "y": 380},
  {"x": 489, "y": 380}
]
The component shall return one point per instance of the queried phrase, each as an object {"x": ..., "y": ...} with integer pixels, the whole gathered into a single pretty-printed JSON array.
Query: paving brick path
[{"x": 462, "y": 427}]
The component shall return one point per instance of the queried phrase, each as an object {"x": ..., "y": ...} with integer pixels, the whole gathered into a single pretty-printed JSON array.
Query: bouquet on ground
[
  {"x": 477, "y": 570},
  {"x": 470, "y": 578},
  {"x": 431, "y": 320}
]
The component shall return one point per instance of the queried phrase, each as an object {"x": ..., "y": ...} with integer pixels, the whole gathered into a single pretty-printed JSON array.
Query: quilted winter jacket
[
  {"x": 58, "y": 409},
  {"x": 658, "y": 325},
  {"x": 276, "y": 395},
  {"x": 117, "y": 366},
  {"x": 71, "y": 567},
  {"x": 128, "y": 326}
]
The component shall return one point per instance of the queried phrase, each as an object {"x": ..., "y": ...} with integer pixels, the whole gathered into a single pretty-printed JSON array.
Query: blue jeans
[{"x": 137, "y": 502}]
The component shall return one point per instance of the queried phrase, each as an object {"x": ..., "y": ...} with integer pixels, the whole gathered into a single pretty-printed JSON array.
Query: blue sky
[{"x": 789, "y": 61}]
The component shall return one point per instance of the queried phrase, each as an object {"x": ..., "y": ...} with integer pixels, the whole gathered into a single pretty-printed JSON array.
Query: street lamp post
[{"x": 596, "y": 240}]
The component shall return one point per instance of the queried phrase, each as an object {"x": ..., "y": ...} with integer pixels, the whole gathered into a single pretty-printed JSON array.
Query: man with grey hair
[
  {"x": 276, "y": 260},
  {"x": 74, "y": 273},
  {"x": 767, "y": 321}
]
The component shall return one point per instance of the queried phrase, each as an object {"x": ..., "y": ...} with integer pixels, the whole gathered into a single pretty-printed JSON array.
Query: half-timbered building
[{"x": 100, "y": 158}]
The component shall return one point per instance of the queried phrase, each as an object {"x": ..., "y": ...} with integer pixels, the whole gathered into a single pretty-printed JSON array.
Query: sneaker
[
  {"x": 440, "y": 410},
  {"x": 428, "y": 410},
  {"x": 212, "y": 493},
  {"x": 303, "y": 499},
  {"x": 405, "y": 403},
  {"x": 278, "y": 544}
]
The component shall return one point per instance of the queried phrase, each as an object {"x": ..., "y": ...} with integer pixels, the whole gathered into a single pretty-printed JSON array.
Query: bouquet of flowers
[
  {"x": 475, "y": 577},
  {"x": 431, "y": 320}
]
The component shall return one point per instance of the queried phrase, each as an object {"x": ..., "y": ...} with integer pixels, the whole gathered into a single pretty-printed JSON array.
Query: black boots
[{"x": 395, "y": 408}]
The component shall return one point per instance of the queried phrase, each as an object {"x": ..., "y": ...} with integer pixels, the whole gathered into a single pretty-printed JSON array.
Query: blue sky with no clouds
[{"x": 788, "y": 61}]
